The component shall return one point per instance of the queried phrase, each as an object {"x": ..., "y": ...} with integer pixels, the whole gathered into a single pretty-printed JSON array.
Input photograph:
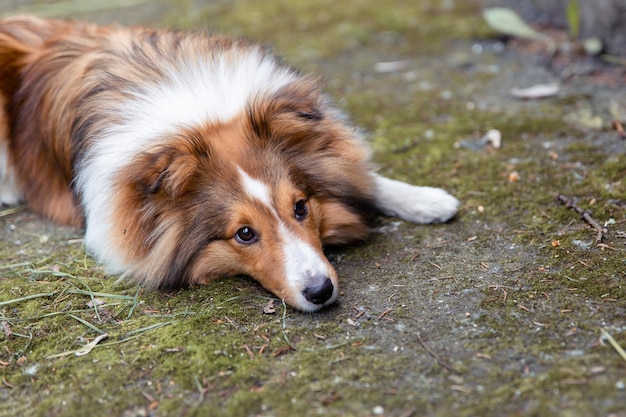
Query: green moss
[{"x": 327, "y": 29}]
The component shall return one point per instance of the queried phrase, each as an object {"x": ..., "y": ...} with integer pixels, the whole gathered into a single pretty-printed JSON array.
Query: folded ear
[
  {"x": 340, "y": 225},
  {"x": 166, "y": 169},
  {"x": 169, "y": 173},
  {"x": 289, "y": 114}
]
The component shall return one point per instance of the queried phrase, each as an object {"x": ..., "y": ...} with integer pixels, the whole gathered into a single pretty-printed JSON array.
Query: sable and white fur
[{"x": 188, "y": 157}]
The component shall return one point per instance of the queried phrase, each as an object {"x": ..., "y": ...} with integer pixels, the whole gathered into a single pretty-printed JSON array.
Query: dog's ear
[
  {"x": 167, "y": 169},
  {"x": 168, "y": 172},
  {"x": 288, "y": 114},
  {"x": 340, "y": 225}
]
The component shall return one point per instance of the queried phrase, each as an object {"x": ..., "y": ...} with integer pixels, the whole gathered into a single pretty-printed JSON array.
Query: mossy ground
[{"x": 510, "y": 298}]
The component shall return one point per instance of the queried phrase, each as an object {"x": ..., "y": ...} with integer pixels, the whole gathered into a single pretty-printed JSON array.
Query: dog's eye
[
  {"x": 246, "y": 235},
  {"x": 300, "y": 209}
]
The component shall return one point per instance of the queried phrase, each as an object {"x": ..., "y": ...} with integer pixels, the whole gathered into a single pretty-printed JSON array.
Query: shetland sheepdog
[{"x": 188, "y": 157}]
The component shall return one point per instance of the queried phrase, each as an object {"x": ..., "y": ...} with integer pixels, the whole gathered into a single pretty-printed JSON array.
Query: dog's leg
[{"x": 413, "y": 203}]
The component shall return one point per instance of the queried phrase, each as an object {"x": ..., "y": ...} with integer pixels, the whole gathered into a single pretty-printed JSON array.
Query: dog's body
[{"x": 188, "y": 157}]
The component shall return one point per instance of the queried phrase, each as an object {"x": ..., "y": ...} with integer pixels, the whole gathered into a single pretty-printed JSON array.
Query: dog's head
[{"x": 258, "y": 196}]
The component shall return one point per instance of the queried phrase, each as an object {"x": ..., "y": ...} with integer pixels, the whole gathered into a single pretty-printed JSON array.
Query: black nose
[{"x": 319, "y": 294}]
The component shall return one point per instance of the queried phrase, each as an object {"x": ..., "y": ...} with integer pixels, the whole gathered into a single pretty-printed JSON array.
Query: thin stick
[
  {"x": 434, "y": 355},
  {"x": 585, "y": 214}
]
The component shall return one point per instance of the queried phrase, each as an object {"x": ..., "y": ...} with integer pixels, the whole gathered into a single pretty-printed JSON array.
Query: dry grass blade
[
  {"x": 148, "y": 328},
  {"x": 12, "y": 210},
  {"x": 86, "y": 323},
  {"x": 614, "y": 343},
  {"x": 11, "y": 266},
  {"x": 43, "y": 316},
  {"x": 27, "y": 297},
  {"x": 101, "y": 294}
]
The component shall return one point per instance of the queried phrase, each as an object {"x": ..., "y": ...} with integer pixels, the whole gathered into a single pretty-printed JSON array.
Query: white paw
[
  {"x": 427, "y": 205},
  {"x": 414, "y": 203}
]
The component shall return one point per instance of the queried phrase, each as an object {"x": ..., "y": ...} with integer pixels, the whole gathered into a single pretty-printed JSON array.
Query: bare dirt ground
[{"x": 512, "y": 309}]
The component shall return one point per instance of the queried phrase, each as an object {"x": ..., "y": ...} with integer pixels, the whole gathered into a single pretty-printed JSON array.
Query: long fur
[{"x": 167, "y": 145}]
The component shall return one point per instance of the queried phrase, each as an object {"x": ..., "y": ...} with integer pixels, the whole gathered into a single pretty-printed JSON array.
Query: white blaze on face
[
  {"x": 256, "y": 189},
  {"x": 303, "y": 266}
]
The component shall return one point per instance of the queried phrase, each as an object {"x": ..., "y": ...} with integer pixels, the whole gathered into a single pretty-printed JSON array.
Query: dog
[{"x": 188, "y": 156}]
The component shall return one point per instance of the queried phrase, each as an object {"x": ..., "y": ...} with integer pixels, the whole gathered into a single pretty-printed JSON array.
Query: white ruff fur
[
  {"x": 414, "y": 203},
  {"x": 192, "y": 94}
]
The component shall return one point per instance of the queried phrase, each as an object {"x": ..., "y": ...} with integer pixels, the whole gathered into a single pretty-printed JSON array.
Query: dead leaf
[
  {"x": 270, "y": 307},
  {"x": 508, "y": 22}
]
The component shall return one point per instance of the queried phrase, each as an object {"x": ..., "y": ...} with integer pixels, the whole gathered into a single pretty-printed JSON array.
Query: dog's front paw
[
  {"x": 414, "y": 203},
  {"x": 428, "y": 205}
]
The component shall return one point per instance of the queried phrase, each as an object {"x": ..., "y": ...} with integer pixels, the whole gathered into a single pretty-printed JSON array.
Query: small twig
[
  {"x": 436, "y": 266},
  {"x": 283, "y": 350},
  {"x": 384, "y": 313},
  {"x": 585, "y": 214},
  {"x": 434, "y": 355},
  {"x": 249, "y": 351}
]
